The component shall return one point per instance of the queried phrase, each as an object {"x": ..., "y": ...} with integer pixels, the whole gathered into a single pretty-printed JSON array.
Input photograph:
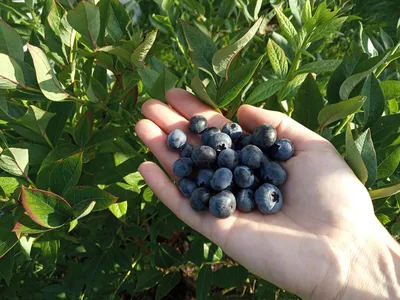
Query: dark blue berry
[
  {"x": 200, "y": 199},
  {"x": 228, "y": 158},
  {"x": 222, "y": 179},
  {"x": 244, "y": 140},
  {"x": 204, "y": 177},
  {"x": 187, "y": 185},
  {"x": 183, "y": 167},
  {"x": 233, "y": 130},
  {"x": 272, "y": 172},
  {"x": 251, "y": 156},
  {"x": 243, "y": 176},
  {"x": 176, "y": 140},
  {"x": 245, "y": 200},
  {"x": 187, "y": 150},
  {"x": 197, "y": 124},
  {"x": 282, "y": 150},
  {"x": 204, "y": 157},
  {"x": 220, "y": 141},
  {"x": 205, "y": 137},
  {"x": 264, "y": 136},
  {"x": 268, "y": 198},
  {"x": 222, "y": 205}
]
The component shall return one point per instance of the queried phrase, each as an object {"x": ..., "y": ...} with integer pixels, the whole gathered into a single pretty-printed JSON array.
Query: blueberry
[
  {"x": 272, "y": 172},
  {"x": 187, "y": 150},
  {"x": 244, "y": 140},
  {"x": 257, "y": 182},
  {"x": 176, "y": 140},
  {"x": 222, "y": 205},
  {"x": 197, "y": 124},
  {"x": 282, "y": 150},
  {"x": 183, "y": 167},
  {"x": 233, "y": 130},
  {"x": 208, "y": 133},
  {"x": 245, "y": 200},
  {"x": 228, "y": 158},
  {"x": 222, "y": 179},
  {"x": 187, "y": 185},
  {"x": 233, "y": 187},
  {"x": 200, "y": 199},
  {"x": 268, "y": 198},
  {"x": 204, "y": 157},
  {"x": 264, "y": 136},
  {"x": 204, "y": 177},
  {"x": 251, "y": 156},
  {"x": 243, "y": 176},
  {"x": 220, "y": 141}
]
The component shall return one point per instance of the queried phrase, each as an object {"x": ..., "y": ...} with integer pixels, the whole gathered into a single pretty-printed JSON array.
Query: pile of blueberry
[{"x": 231, "y": 169}]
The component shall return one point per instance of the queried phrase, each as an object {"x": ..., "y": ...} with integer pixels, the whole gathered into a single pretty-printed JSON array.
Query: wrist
[{"x": 375, "y": 271}]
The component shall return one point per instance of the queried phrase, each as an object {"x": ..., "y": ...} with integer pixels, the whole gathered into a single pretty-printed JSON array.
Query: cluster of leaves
[{"x": 77, "y": 220}]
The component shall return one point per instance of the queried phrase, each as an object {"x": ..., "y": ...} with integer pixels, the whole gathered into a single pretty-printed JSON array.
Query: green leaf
[
  {"x": 25, "y": 225},
  {"x": 85, "y": 19},
  {"x": 296, "y": 6},
  {"x": 265, "y": 290},
  {"x": 165, "y": 81},
  {"x": 80, "y": 198},
  {"x": 201, "y": 46},
  {"x": 37, "y": 153},
  {"x": 148, "y": 77},
  {"x": 10, "y": 184},
  {"x": 200, "y": 91},
  {"x": 343, "y": 71},
  {"x": 96, "y": 92},
  {"x": 287, "y": 28},
  {"x": 375, "y": 103},
  {"x": 277, "y": 58},
  {"x": 48, "y": 82},
  {"x": 320, "y": 66},
  {"x": 49, "y": 247},
  {"x": 7, "y": 266},
  {"x": 293, "y": 86},
  {"x": 56, "y": 125},
  {"x": 165, "y": 4},
  {"x": 234, "y": 85},
  {"x": 327, "y": 28},
  {"x": 386, "y": 39},
  {"x": 350, "y": 83},
  {"x": 389, "y": 165},
  {"x": 203, "y": 282},
  {"x": 391, "y": 89},
  {"x": 45, "y": 208},
  {"x": 148, "y": 279},
  {"x": 284, "y": 44},
  {"x": 107, "y": 133},
  {"x": 366, "y": 149},
  {"x": 308, "y": 103},
  {"x": 366, "y": 44},
  {"x": 123, "y": 54},
  {"x": 58, "y": 22},
  {"x": 211, "y": 252},
  {"x": 265, "y": 90},
  {"x": 140, "y": 53},
  {"x": 167, "y": 256},
  {"x": 66, "y": 173},
  {"x": 384, "y": 192},
  {"x": 36, "y": 119},
  {"x": 11, "y": 74},
  {"x": 395, "y": 230},
  {"x": 167, "y": 284},
  {"x": 83, "y": 129},
  {"x": 228, "y": 277},
  {"x": 354, "y": 158},
  {"x": 59, "y": 153},
  {"x": 119, "y": 209},
  {"x": 223, "y": 57},
  {"x": 15, "y": 161},
  {"x": 338, "y": 111},
  {"x": 118, "y": 21},
  {"x": 10, "y": 42},
  {"x": 7, "y": 238}
]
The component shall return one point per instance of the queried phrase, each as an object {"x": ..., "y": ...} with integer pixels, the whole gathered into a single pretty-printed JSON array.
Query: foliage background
[{"x": 77, "y": 221}]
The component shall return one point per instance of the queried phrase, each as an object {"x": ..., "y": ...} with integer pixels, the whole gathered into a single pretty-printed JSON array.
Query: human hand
[{"x": 326, "y": 225}]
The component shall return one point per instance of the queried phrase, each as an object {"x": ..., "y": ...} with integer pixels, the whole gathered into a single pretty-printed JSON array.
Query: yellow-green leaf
[
  {"x": 386, "y": 191},
  {"x": 277, "y": 58},
  {"x": 140, "y": 53},
  {"x": 354, "y": 158}
]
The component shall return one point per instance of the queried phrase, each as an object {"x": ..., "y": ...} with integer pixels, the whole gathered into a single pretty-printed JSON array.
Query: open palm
[{"x": 309, "y": 246}]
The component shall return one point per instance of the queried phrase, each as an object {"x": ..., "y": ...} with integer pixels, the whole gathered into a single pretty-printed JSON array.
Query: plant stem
[
  {"x": 48, "y": 141},
  {"x": 383, "y": 66},
  {"x": 342, "y": 125}
]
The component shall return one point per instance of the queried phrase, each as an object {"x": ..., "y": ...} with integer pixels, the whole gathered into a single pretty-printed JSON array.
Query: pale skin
[{"x": 325, "y": 243}]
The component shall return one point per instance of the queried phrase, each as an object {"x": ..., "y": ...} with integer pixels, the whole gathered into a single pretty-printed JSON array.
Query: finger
[
  {"x": 211, "y": 227},
  {"x": 167, "y": 119},
  {"x": 251, "y": 117},
  {"x": 188, "y": 105},
  {"x": 156, "y": 140}
]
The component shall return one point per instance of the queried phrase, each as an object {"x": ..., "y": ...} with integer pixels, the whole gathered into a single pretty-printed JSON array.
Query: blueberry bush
[{"x": 77, "y": 221}]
